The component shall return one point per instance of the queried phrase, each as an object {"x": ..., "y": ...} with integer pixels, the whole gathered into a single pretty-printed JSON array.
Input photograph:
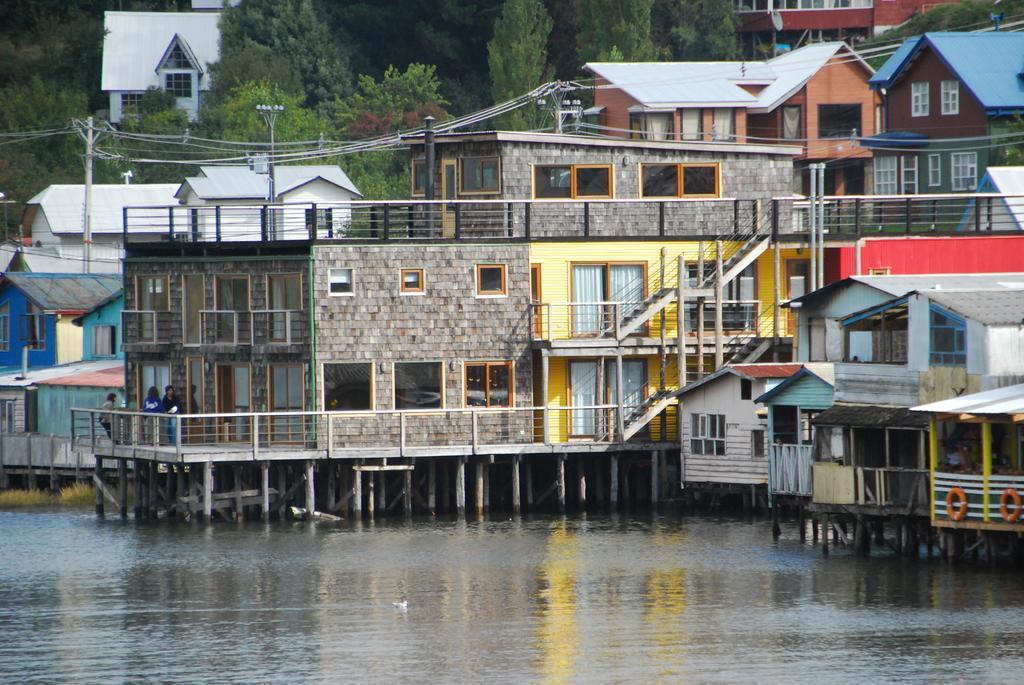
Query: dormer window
[{"x": 177, "y": 59}]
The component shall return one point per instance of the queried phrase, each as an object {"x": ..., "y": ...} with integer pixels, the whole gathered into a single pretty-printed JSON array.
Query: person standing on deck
[
  {"x": 107, "y": 418},
  {"x": 171, "y": 405},
  {"x": 152, "y": 405}
]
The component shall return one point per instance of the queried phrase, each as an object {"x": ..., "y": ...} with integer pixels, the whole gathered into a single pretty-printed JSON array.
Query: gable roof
[
  {"x": 136, "y": 42},
  {"x": 64, "y": 292},
  {"x": 989, "y": 64},
  {"x": 185, "y": 48},
  {"x": 900, "y": 285},
  {"x": 113, "y": 297},
  {"x": 666, "y": 85},
  {"x": 991, "y": 308},
  {"x": 824, "y": 373},
  {"x": 241, "y": 183},
  {"x": 744, "y": 371},
  {"x": 64, "y": 204},
  {"x": 1005, "y": 180}
]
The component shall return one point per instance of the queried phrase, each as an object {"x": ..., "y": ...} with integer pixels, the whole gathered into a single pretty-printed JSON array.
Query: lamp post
[{"x": 270, "y": 114}]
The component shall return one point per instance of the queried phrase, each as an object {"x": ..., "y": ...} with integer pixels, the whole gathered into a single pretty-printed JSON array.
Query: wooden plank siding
[
  {"x": 809, "y": 392},
  {"x": 69, "y": 340},
  {"x": 873, "y": 383}
]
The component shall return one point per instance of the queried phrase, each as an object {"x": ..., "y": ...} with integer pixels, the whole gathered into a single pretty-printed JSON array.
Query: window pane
[
  {"x": 347, "y": 387},
  {"x": 660, "y": 180},
  {"x": 498, "y": 385},
  {"x": 194, "y": 302},
  {"x": 699, "y": 180},
  {"x": 492, "y": 279},
  {"x": 412, "y": 280},
  {"x": 552, "y": 181},
  {"x": 480, "y": 174},
  {"x": 838, "y": 121},
  {"x": 476, "y": 385},
  {"x": 340, "y": 281},
  {"x": 593, "y": 182},
  {"x": 419, "y": 176},
  {"x": 417, "y": 385}
]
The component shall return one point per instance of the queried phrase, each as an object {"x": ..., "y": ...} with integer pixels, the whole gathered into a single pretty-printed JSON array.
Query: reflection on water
[{"x": 608, "y": 599}]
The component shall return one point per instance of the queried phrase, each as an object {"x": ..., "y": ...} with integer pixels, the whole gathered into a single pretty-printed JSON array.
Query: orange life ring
[
  {"x": 1010, "y": 494},
  {"x": 961, "y": 511}
]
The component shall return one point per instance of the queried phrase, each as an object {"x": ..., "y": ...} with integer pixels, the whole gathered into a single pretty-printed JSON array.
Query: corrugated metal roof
[
  {"x": 1008, "y": 400},
  {"x": 1005, "y": 180},
  {"x": 793, "y": 69},
  {"x": 103, "y": 378},
  {"x": 241, "y": 183},
  {"x": 768, "y": 370},
  {"x": 135, "y": 42},
  {"x": 989, "y": 307},
  {"x": 822, "y": 371},
  {"x": 869, "y": 416},
  {"x": 989, "y": 64},
  {"x": 65, "y": 292},
  {"x": 14, "y": 379},
  {"x": 64, "y": 204},
  {"x": 901, "y": 285}
]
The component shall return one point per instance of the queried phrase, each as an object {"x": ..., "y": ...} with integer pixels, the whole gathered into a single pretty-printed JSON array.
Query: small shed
[
  {"x": 24, "y": 410},
  {"x": 101, "y": 329},
  {"x": 84, "y": 387}
]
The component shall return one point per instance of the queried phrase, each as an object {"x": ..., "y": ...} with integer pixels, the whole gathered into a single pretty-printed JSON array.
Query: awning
[
  {"x": 1008, "y": 400},
  {"x": 894, "y": 140},
  {"x": 592, "y": 111},
  {"x": 870, "y": 416}
]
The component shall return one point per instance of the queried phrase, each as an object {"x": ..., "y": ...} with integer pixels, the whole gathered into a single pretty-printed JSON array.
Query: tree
[
  {"x": 157, "y": 114},
  {"x": 518, "y": 58},
  {"x": 615, "y": 28},
  {"x": 253, "y": 64},
  {"x": 696, "y": 30},
  {"x": 290, "y": 29},
  {"x": 236, "y": 118}
]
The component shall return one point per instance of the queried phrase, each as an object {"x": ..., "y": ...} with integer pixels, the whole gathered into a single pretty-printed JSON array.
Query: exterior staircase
[{"x": 642, "y": 415}]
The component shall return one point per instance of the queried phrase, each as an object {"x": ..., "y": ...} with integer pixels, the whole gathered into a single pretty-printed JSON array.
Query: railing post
[
  {"x": 314, "y": 224},
  {"x": 92, "y": 433},
  {"x": 124, "y": 227},
  {"x": 526, "y": 218},
  {"x": 906, "y": 218},
  {"x": 736, "y": 216},
  {"x": 216, "y": 221},
  {"x": 263, "y": 223},
  {"x": 615, "y": 313},
  {"x": 856, "y": 216},
  {"x": 256, "y": 437},
  {"x": 508, "y": 220},
  {"x": 547, "y": 306},
  {"x": 401, "y": 438},
  {"x": 586, "y": 219},
  {"x": 458, "y": 220},
  {"x": 387, "y": 221},
  {"x": 977, "y": 217},
  {"x": 476, "y": 431},
  {"x": 170, "y": 222},
  {"x": 661, "y": 218},
  {"x": 330, "y": 436},
  {"x": 177, "y": 422}
]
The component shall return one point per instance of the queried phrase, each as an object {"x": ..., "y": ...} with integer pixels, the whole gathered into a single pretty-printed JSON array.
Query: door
[
  {"x": 797, "y": 282},
  {"x": 285, "y": 295},
  {"x": 233, "y": 393},
  {"x": 583, "y": 387},
  {"x": 634, "y": 385},
  {"x": 449, "y": 178},
  {"x": 286, "y": 391},
  {"x": 193, "y": 392}
]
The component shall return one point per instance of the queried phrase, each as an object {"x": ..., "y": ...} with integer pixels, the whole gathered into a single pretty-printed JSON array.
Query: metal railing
[
  {"x": 226, "y": 327},
  {"x": 279, "y": 326},
  {"x": 464, "y": 430},
  {"x": 368, "y": 220},
  {"x": 782, "y": 5},
  {"x": 145, "y": 327}
]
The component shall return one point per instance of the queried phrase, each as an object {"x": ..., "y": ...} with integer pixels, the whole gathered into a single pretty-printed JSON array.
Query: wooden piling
[
  {"x": 613, "y": 482},
  {"x": 207, "y": 491},
  {"x": 516, "y": 508},
  {"x": 776, "y": 528},
  {"x": 479, "y": 491},
  {"x": 331, "y": 494},
  {"x": 407, "y": 494},
  {"x": 560, "y": 481},
  {"x": 581, "y": 483},
  {"x": 357, "y": 493},
  {"x": 598, "y": 490},
  {"x": 152, "y": 503},
  {"x": 122, "y": 486},
  {"x": 487, "y": 488},
  {"x": 180, "y": 490},
  {"x": 310, "y": 489},
  {"x": 460, "y": 488},
  {"x": 98, "y": 485},
  {"x": 801, "y": 522},
  {"x": 265, "y": 490},
  {"x": 445, "y": 501},
  {"x": 382, "y": 492},
  {"x": 137, "y": 488},
  {"x": 824, "y": 536},
  {"x": 237, "y": 478},
  {"x": 432, "y": 487},
  {"x": 528, "y": 477},
  {"x": 654, "y": 478},
  {"x": 371, "y": 504}
]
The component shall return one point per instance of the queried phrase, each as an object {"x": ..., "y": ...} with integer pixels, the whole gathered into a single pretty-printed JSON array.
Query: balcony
[
  {"x": 224, "y": 327},
  {"x": 141, "y": 327},
  {"x": 903, "y": 489}
]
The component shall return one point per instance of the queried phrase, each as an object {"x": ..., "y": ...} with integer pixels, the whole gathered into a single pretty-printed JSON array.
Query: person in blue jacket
[{"x": 152, "y": 405}]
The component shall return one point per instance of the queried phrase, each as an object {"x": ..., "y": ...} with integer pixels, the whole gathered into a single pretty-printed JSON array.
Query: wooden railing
[
  {"x": 985, "y": 495},
  {"x": 860, "y": 485},
  {"x": 789, "y": 468}
]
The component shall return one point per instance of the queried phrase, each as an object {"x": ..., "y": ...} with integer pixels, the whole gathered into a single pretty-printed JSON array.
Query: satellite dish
[{"x": 777, "y": 20}]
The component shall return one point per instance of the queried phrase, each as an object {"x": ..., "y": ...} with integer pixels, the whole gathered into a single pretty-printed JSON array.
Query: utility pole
[
  {"x": 270, "y": 114},
  {"x": 90, "y": 144}
]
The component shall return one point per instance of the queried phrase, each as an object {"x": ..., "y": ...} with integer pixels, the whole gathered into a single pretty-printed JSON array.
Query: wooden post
[
  {"x": 371, "y": 505},
  {"x": 487, "y": 487},
  {"x": 613, "y": 482},
  {"x": 207, "y": 491},
  {"x": 802, "y": 522},
  {"x": 98, "y": 484},
  {"x": 122, "y": 486},
  {"x": 445, "y": 502},
  {"x": 460, "y": 487},
  {"x": 180, "y": 490},
  {"x": 382, "y": 491},
  {"x": 620, "y": 414},
  {"x": 654, "y": 478},
  {"x": 407, "y": 494},
  {"x": 432, "y": 487},
  {"x": 265, "y": 490},
  {"x": 581, "y": 481},
  {"x": 151, "y": 492},
  {"x": 515, "y": 486},
  {"x": 528, "y": 477},
  {"x": 776, "y": 528},
  {"x": 282, "y": 486},
  {"x": 700, "y": 337},
  {"x": 479, "y": 492},
  {"x": 237, "y": 473},
  {"x": 561, "y": 483},
  {"x": 310, "y": 489},
  {"x": 597, "y": 471},
  {"x": 719, "y": 294},
  {"x": 681, "y": 323},
  {"x": 331, "y": 496},
  {"x": 544, "y": 376},
  {"x": 824, "y": 536},
  {"x": 357, "y": 493}
]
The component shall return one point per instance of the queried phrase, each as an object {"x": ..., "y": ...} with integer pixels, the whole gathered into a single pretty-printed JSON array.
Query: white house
[
  {"x": 168, "y": 50},
  {"x": 52, "y": 225}
]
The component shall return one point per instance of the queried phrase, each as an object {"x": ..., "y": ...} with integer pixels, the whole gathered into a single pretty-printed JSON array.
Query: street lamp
[{"x": 270, "y": 114}]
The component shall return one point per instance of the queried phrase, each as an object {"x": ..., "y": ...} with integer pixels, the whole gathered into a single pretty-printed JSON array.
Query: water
[{"x": 600, "y": 599}]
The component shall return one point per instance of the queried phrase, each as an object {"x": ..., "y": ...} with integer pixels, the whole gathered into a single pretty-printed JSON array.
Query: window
[
  {"x": 885, "y": 175},
  {"x": 948, "y": 338},
  {"x": 35, "y": 327},
  {"x": 791, "y": 122},
  {"x": 348, "y": 386},
  {"x": 964, "y": 172},
  {"x": 153, "y": 376},
  {"x": 177, "y": 59},
  {"x": 880, "y": 271},
  {"x": 746, "y": 388},
  {"x": 934, "y": 170},
  {"x": 757, "y": 444},
  {"x": 419, "y": 177},
  {"x": 193, "y": 290},
  {"x": 5, "y": 327},
  {"x": 919, "y": 99},
  {"x": 479, "y": 175},
  {"x": 596, "y": 286},
  {"x": 130, "y": 102},
  {"x": 651, "y": 126},
  {"x": 286, "y": 391},
  {"x": 418, "y": 385},
  {"x": 909, "y": 175},
  {"x": 104, "y": 341},
  {"x": 284, "y": 295},
  {"x": 707, "y": 434},
  {"x": 951, "y": 97},
  {"x": 7, "y": 410},
  {"x": 179, "y": 85},
  {"x": 679, "y": 180},
  {"x": 231, "y": 295},
  {"x": 489, "y": 384},
  {"x": 490, "y": 279},
  {"x": 233, "y": 390},
  {"x": 692, "y": 124},
  {"x": 412, "y": 281},
  {"x": 723, "y": 124},
  {"x": 838, "y": 121},
  {"x": 339, "y": 282},
  {"x": 577, "y": 181}
]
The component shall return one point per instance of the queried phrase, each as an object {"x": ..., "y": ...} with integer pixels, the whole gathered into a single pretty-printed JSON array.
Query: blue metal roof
[
  {"x": 895, "y": 140},
  {"x": 989, "y": 65},
  {"x": 64, "y": 292}
]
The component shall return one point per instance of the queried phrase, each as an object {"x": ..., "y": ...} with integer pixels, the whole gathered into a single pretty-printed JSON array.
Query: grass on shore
[{"x": 79, "y": 494}]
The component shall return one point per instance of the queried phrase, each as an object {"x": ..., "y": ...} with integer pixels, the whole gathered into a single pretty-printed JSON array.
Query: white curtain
[
  {"x": 587, "y": 287},
  {"x": 583, "y": 378},
  {"x": 723, "y": 123},
  {"x": 691, "y": 120},
  {"x": 627, "y": 287},
  {"x": 791, "y": 122},
  {"x": 659, "y": 126}
]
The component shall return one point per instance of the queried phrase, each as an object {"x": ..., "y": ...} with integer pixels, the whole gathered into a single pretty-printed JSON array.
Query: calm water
[{"x": 546, "y": 599}]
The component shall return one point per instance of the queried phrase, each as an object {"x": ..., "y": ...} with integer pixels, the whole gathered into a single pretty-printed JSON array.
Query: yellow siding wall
[
  {"x": 766, "y": 287},
  {"x": 69, "y": 340}
]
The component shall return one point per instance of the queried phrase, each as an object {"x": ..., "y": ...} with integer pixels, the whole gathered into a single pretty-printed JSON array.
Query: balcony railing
[
  {"x": 226, "y": 327},
  {"x": 781, "y": 5},
  {"x": 280, "y": 326},
  {"x": 882, "y": 487},
  {"x": 431, "y": 220},
  {"x": 789, "y": 468},
  {"x": 146, "y": 327},
  {"x": 985, "y": 495}
]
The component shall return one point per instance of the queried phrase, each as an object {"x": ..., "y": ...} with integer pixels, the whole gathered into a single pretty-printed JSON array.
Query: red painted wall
[{"x": 947, "y": 255}]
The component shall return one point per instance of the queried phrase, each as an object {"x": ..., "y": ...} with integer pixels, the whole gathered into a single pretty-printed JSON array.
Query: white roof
[
  {"x": 64, "y": 205},
  {"x": 1008, "y": 400},
  {"x": 135, "y": 42},
  {"x": 900, "y": 285},
  {"x": 15, "y": 380},
  {"x": 693, "y": 84},
  {"x": 241, "y": 183},
  {"x": 1006, "y": 180}
]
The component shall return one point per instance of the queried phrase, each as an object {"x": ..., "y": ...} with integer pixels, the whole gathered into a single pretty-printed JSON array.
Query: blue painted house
[
  {"x": 37, "y": 311},
  {"x": 101, "y": 329}
]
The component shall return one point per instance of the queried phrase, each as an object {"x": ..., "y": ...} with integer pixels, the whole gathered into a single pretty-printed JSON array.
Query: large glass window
[
  {"x": 934, "y": 170},
  {"x": 194, "y": 293},
  {"x": 418, "y": 385},
  {"x": 284, "y": 295},
  {"x": 791, "y": 122},
  {"x": 909, "y": 174},
  {"x": 489, "y": 384},
  {"x": 838, "y": 121},
  {"x": 286, "y": 391},
  {"x": 419, "y": 177},
  {"x": 724, "y": 123},
  {"x": 651, "y": 126},
  {"x": 692, "y": 124},
  {"x": 964, "y": 174},
  {"x": 599, "y": 290},
  {"x": 153, "y": 376},
  {"x": 104, "y": 342},
  {"x": 479, "y": 175},
  {"x": 885, "y": 175},
  {"x": 592, "y": 181},
  {"x": 919, "y": 99},
  {"x": 178, "y": 84},
  {"x": 679, "y": 180},
  {"x": 232, "y": 298},
  {"x": 580, "y": 181},
  {"x": 707, "y": 434},
  {"x": 948, "y": 338},
  {"x": 348, "y": 386}
]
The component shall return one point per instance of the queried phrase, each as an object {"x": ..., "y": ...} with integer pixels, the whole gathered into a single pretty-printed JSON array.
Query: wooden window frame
[
  {"x": 286, "y": 274},
  {"x": 217, "y": 427},
  {"x": 444, "y": 385},
  {"x": 510, "y": 365},
  {"x": 573, "y": 194},
  {"x": 460, "y": 181},
  {"x": 184, "y": 310},
  {"x": 604, "y": 395},
  {"x": 643, "y": 330},
  {"x": 270, "y": 398},
  {"x": 403, "y": 290},
  {"x": 140, "y": 391},
  {"x": 412, "y": 178},
  {"x": 232, "y": 277},
  {"x": 373, "y": 383},
  {"x": 504, "y": 280},
  {"x": 352, "y": 281},
  {"x": 140, "y": 278},
  {"x": 680, "y": 184}
]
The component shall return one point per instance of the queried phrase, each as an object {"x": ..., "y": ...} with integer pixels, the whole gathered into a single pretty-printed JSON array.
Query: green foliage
[
  {"x": 157, "y": 114},
  {"x": 619, "y": 29},
  {"x": 518, "y": 59},
  {"x": 694, "y": 30},
  {"x": 382, "y": 175},
  {"x": 399, "y": 100},
  {"x": 236, "y": 118},
  {"x": 293, "y": 30},
  {"x": 253, "y": 64}
]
